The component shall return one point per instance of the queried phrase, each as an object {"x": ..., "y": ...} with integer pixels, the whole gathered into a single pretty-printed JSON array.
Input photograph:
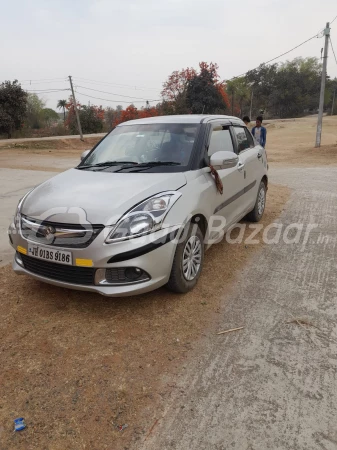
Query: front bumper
[{"x": 155, "y": 260}]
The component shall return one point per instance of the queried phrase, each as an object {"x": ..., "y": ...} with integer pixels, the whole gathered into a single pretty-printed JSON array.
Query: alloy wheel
[
  {"x": 261, "y": 201},
  {"x": 192, "y": 255}
]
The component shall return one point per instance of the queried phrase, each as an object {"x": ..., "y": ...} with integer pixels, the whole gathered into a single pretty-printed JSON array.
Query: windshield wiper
[
  {"x": 148, "y": 165},
  {"x": 158, "y": 163},
  {"x": 108, "y": 164}
]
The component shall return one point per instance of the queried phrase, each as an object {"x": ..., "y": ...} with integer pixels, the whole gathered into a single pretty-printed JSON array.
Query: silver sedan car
[{"x": 142, "y": 206}]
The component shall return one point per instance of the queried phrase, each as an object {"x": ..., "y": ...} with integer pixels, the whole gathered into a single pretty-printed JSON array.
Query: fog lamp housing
[{"x": 120, "y": 276}]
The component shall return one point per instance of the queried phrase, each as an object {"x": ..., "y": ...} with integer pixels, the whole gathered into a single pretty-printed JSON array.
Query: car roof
[{"x": 185, "y": 119}]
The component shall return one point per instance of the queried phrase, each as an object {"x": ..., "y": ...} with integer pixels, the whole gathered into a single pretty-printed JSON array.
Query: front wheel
[
  {"x": 188, "y": 261},
  {"x": 256, "y": 214}
]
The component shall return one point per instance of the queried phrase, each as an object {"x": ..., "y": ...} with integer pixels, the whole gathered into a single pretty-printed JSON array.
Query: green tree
[
  {"x": 240, "y": 91},
  {"x": 290, "y": 89},
  {"x": 62, "y": 104},
  {"x": 49, "y": 116},
  {"x": 297, "y": 87},
  {"x": 109, "y": 118},
  {"x": 204, "y": 92},
  {"x": 13, "y": 102},
  {"x": 175, "y": 90},
  {"x": 262, "y": 82},
  {"x": 91, "y": 118},
  {"x": 330, "y": 90},
  {"x": 35, "y": 106}
]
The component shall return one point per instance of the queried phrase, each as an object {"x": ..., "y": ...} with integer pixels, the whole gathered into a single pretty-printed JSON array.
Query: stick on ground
[
  {"x": 302, "y": 322},
  {"x": 229, "y": 331}
]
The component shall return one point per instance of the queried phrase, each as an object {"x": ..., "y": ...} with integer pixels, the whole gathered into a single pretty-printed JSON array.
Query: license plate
[{"x": 51, "y": 255}]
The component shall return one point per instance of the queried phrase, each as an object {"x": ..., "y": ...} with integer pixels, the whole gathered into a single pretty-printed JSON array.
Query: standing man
[
  {"x": 246, "y": 120},
  {"x": 259, "y": 132}
]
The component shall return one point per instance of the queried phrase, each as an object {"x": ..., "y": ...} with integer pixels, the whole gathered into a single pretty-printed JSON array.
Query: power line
[
  {"x": 47, "y": 90},
  {"x": 115, "y": 101},
  {"x": 43, "y": 80},
  {"x": 111, "y": 93},
  {"x": 333, "y": 51},
  {"x": 277, "y": 57},
  {"x": 116, "y": 84},
  {"x": 91, "y": 81}
]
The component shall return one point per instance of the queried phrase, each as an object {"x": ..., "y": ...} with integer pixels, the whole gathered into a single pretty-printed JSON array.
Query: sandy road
[
  {"x": 273, "y": 384},
  {"x": 13, "y": 186},
  {"x": 51, "y": 138}
]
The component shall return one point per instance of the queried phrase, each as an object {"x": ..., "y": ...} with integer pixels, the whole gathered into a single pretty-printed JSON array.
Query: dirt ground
[
  {"x": 291, "y": 142},
  {"x": 76, "y": 365},
  {"x": 50, "y": 156}
]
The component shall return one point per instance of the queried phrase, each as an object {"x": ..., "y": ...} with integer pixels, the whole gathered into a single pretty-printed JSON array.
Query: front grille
[
  {"x": 65, "y": 235},
  {"x": 60, "y": 272}
]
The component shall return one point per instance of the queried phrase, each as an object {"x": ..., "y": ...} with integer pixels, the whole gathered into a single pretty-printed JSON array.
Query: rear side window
[
  {"x": 220, "y": 140},
  {"x": 242, "y": 139}
]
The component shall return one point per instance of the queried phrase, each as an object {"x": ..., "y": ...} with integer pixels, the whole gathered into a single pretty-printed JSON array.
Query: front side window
[
  {"x": 250, "y": 139},
  {"x": 220, "y": 140},
  {"x": 146, "y": 143},
  {"x": 241, "y": 138}
]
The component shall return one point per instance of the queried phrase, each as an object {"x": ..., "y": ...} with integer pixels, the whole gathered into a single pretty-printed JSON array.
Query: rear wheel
[
  {"x": 188, "y": 261},
  {"x": 256, "y": 214}
]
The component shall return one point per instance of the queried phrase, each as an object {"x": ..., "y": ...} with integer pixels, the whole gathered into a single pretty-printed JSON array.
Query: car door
[
  {"x": 228, "y": 204},
  {"x": 250, "y": 157}
]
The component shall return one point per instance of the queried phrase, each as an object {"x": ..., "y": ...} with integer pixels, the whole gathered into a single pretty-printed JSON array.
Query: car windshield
[{"x": 140, "y": 144}]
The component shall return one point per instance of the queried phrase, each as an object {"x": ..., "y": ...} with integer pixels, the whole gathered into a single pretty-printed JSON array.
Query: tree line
[{"x": 285, "y": 90}]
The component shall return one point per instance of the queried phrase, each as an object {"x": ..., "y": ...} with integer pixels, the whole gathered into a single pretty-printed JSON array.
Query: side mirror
[
  {"x": 84, "y": 154},
  {"x": 224, "y": 160}
]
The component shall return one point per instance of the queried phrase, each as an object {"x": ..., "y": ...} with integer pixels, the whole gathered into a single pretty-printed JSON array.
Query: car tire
[
  {"x": 186, "y": 268},
  {"x": 256, "y": 214}
]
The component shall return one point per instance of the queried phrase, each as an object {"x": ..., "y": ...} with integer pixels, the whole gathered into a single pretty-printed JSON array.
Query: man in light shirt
[{"x": 259, "y": 132}]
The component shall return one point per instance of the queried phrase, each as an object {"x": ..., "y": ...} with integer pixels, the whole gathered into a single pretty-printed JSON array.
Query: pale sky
[{"x": 135, "y": 44}]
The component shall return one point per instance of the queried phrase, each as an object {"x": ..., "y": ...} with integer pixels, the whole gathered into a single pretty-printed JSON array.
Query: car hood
[{"x": 81, "y": 196}]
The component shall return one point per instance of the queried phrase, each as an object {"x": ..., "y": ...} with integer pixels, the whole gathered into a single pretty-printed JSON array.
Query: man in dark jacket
[{"x": 259, "y": 132}]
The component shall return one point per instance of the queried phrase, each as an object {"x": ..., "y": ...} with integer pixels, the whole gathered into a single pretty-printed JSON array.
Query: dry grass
[
  {"x": 291, "y": 142},
  {"x": 75, "y": 364},
  {"x": 58, "y": 144}
]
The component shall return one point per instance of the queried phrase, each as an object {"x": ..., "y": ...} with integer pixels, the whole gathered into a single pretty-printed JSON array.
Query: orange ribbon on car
[{"x": 217, "y": 179}]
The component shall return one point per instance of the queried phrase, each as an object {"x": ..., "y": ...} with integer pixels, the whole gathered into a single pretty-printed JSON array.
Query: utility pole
[
  {"x": 321, "y": 98},
  {"x": 76, "y": 111},
  {"x": 333, "y": 101},
  {"x": 233, "y": 102},
  {"x": 251, "y": 105}
]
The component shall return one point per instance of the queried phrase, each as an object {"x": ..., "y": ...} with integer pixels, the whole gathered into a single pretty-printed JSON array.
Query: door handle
[
  {"x": 240, "y": 166},
  {"x": 259, "y": 155}
]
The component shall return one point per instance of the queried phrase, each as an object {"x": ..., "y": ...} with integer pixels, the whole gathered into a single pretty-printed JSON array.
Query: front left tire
[
  {"x": 256, "y": 214},
  {"x": 188, "y": 261}
]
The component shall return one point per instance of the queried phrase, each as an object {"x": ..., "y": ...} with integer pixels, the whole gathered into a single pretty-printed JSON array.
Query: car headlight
[{"x": 144, "y": 218}]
